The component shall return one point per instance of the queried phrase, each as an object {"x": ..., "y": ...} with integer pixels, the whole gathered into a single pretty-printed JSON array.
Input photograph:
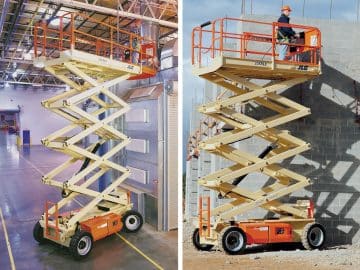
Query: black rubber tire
[
  {"x": 38, "y": 233},
  {"x": 233, "y": 236},
  {"x": 77, "y": 242},
  {"x": 308, "y": 237},
  {"x": 132, "y": 221},
  {"x": 196, "y": 242}
]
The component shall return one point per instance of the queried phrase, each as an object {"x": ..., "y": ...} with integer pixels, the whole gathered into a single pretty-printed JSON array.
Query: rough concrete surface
[{"x": 270, "y": 257}]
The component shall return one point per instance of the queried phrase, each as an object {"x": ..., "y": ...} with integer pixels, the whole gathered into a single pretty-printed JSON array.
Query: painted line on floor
[
  {"x": 133, "y": 246},
  {"x": 7, "y": 241},
  {"x": 140, "y": 252},
  {"x": 120, "y": 236},
  {"x": 31, "y": 164}
]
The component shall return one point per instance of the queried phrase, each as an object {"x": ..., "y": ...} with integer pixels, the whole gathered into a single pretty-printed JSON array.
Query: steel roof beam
[
  {"x": 3, "y": 15},
  {"x": 113, "y": 12},
  {"x": 14, "y": 21}
]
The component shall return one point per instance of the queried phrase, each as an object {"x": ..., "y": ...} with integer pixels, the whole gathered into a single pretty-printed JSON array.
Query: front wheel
[
  {"x": 313, "y": 236},
  {"x": 38, "y": 233},
  {"x": 233, "y": 240},
  {"x": 132, "y": 221},
  {"x": 196, "y": 242},
  {"x": 81, "y": 244}
]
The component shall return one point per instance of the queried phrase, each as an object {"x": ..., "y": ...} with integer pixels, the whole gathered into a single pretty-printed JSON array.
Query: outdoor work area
[
  {"x": 266, "y": 178},
  {"x": 273, "y": 257}
]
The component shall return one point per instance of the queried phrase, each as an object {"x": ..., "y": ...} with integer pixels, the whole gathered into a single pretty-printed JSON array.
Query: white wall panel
[
  {"x": 137, "y": 145},
  {"x": 137, "y": 115},
  {"x": 172, "y": 177},
  {"x": 138, "y": 175},
  {"x": 40, "y": 121}
]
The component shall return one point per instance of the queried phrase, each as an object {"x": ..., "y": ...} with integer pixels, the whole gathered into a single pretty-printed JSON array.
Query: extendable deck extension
[
  {"x": 90, "y": 66},
  {"x": 246, "y": 65}
]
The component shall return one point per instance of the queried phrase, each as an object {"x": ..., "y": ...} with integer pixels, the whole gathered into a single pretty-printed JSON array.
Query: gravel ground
[{"x": 269, "y": 257}]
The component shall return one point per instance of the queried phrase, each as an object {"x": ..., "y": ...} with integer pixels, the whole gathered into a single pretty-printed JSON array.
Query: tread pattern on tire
[
  {"x": 74, "y": 243},
  {"x": 221, "y": 242},
  {"x": 38, "y": 233},
  {"x": 304, "y": 236},
  {"x": 128, "y": 213},
  {"x": 203, "y": 247}
]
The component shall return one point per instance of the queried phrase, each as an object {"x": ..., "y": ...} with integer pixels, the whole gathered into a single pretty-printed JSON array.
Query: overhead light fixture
[
  {"x": 39, "y": 62},
  {"x": 15, "y": 73},
  {"x": 37, "y": 85},
  {"x": 55, "y": 22},
  {"x": 27, "y": 56}
]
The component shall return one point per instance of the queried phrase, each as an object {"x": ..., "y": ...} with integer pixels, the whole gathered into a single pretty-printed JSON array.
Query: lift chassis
[
  {"x": 90, "y": 66},
  {"x": 250, "y": 74}
]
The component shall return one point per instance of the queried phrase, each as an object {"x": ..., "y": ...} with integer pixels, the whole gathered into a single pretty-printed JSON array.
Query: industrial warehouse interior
[
  {"x": 88, "y": 134},
  {"x": 179, "y": 134}
]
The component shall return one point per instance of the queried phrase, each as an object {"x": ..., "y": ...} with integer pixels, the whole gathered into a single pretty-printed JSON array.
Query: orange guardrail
[
  {"x": 50, "y": 40},
  {"x": 52, "y": 218},
  {"x": 224, "y": 37}
]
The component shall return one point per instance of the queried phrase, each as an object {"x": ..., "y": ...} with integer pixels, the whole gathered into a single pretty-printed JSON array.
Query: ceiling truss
[{"x": 18, "y": 17}]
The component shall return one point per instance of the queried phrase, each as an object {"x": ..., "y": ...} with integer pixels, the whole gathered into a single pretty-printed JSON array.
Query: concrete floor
[{"x": 22, "y": 198}]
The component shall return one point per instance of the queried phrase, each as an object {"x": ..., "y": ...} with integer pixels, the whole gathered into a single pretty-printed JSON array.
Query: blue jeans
[{"x": 283, "y": 48}]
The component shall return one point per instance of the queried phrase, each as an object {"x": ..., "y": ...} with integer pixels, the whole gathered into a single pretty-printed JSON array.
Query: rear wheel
[
  {"x": 132, "y": 221},
  {"x": 81, "y": 244},
  {"x": 38, "y": 233},
  {"x": 233, "y": 240},
  {"x": 196, "y": 242},
  {"x": 313, "y": 236}
]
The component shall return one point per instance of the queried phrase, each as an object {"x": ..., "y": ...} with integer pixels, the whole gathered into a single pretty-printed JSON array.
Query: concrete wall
[
  {"x": 33, "y": 116},
  {"x": 333, "y": 162}
]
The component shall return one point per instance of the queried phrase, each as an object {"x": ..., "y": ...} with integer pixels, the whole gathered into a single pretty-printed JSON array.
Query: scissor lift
[
  {"x": 90, "y": 66},
  {"x": 246, "y": 65}
]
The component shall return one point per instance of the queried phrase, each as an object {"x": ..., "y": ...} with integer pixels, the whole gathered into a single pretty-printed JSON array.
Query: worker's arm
[{"x": 286, "y": 31}]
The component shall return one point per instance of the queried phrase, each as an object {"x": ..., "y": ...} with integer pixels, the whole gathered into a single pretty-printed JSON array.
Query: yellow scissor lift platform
[
  {"x": 89, "y": 66},
  {"x": 251, "y": 73}
]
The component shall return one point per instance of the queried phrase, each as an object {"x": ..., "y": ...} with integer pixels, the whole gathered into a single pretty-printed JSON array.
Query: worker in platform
[{"x": 285, "y": 33}]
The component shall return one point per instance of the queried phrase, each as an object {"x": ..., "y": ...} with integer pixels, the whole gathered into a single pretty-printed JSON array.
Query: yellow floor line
[
  {"x": 132, "y": 246},
  {"x": 31, "y": 164},
  {"x": 140, "y": 252},
  {"x": 120, "y": 236},
  {"x": 7, "y": 241}
]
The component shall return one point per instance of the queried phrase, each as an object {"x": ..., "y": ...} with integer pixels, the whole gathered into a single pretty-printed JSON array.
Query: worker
[
  {"x": 135, "y": 42},
  {"x": 285, "y": 33}
]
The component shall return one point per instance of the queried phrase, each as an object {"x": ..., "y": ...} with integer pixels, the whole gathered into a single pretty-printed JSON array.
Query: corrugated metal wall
[
  {"x": 172, "y": 149},
  {"x": 142, "y": 126},
  {"x": 152, "y": 124}
]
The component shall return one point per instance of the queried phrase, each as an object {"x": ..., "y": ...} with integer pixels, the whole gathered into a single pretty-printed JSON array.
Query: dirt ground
[{"x": 271, "y": 257}]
